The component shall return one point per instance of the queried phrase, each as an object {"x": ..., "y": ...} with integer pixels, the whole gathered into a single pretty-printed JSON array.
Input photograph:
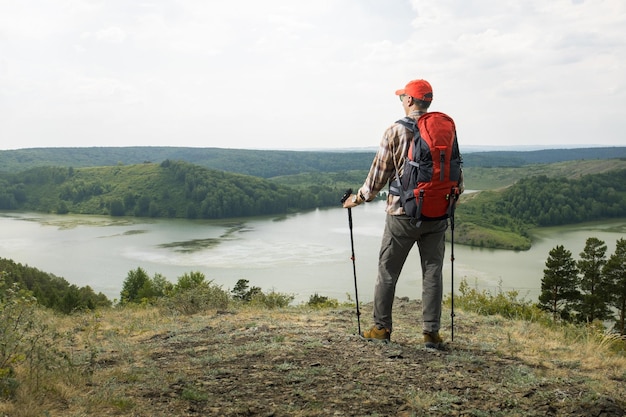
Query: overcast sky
[{"x": 287, "y": 74}]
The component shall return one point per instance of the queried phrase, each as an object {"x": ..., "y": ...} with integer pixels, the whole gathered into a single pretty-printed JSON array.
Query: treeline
[
  {"x": 544, "y": 156},
  {"x": 271, "y": 163},
  {"x": 216, "y": 194},
  {"x": 176, "y": 189},
  {"x": 258, "y": 163},
  {"x": 49, "y": 290},
  {"x": 192, "y": 293},
  {"x": 588, "y": 289},
  {"x": 503, "y": 219},
  {"x": 544, "y": 201},
  {"x": 171, "y": 189}
]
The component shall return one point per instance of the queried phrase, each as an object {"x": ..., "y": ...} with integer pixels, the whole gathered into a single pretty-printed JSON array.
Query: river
[{"x": 300, "y": 254}]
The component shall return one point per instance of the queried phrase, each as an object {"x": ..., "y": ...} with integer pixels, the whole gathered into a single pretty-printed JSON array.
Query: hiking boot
[
  {"x": 433, "y": 341},
  {"x": 377, "y": 334}
]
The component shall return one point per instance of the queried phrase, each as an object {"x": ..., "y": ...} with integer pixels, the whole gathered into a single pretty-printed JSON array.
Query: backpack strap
[{"x": 395, "y": 187}]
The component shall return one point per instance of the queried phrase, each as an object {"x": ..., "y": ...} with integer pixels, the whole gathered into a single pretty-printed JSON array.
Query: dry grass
[{"x": 304, "y": 362}]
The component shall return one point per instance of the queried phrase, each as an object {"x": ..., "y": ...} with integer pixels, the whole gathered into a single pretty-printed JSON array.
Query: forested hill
[
  {"x": 268, "y": 163},
  {"x": 545, "y": 156},
  {"x": 258, "y": 163},
  {"x": 168, "y": 189}
]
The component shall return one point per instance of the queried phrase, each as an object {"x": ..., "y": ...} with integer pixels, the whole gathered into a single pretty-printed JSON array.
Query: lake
[{"x": 300, "y": 254}]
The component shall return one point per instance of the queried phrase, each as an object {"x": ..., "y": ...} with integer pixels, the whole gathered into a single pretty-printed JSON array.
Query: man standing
[{"x": 401, "y": 231}]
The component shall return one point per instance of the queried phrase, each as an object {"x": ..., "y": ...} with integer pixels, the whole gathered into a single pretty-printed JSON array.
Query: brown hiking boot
[
  {"x": 377, "y": 334},
  {"x": 433, "y": 340}
]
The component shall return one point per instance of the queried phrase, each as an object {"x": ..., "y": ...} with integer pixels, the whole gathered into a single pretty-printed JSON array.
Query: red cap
[{"x": 418, "y": 89}]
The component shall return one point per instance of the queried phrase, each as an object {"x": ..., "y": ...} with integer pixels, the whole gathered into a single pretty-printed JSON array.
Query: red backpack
[{"x": 429, "y": 185}]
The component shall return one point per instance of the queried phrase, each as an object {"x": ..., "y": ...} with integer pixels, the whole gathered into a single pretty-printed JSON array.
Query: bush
[
  {"x": 272, "y": 299},
  {"x": 192, "y": 294},
  {"x": 318, "y": 301},
  {"x": 28, "y": 346},
  {"x": 138, "y": 287},
  {"x": 505, "y": 304}
]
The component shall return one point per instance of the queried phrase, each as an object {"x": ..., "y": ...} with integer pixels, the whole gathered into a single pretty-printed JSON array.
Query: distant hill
[
  {"x": 544, "y": 156},
  {"x": 270, "y": 163},
  {"x": 258, "y": 163},
  {"x": 169, "y": 189}
]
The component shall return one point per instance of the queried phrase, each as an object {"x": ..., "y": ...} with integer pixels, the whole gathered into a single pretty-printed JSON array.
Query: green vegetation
[
  {"x": 589, "y": 289},
  {"x": 258, "y": 163},
  {"x": 320, "y": 301},
  {"x": 161, "y": 333},
  {"x": 503, "y": 219},
  {"x": 242, "y": 293},
  {"x": 35, "y": 352},
  {"x": 193, "y": 294},
  {"x": 171, "y": 189},
  {"x": 510, "y": 306},
  {"x": 559, "y": 286},
  {"x": 270, "y": 163},
  {"x": 520, "y": 193},
  {"x": 506, "y": 304},
  {"x": 49, "y": 290},
  {"x": 143, "y": 359},
  {"x": 496, "y": 177}
]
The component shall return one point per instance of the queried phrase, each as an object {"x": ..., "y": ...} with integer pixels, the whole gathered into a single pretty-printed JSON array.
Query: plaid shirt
[{"x": 390, "y": 159}]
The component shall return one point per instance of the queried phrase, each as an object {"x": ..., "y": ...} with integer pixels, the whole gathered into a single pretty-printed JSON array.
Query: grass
[{"x": 306, "y": 361}]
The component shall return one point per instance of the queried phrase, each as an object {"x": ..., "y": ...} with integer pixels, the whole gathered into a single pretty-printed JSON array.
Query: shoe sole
[{"x": 371, "y": 339}]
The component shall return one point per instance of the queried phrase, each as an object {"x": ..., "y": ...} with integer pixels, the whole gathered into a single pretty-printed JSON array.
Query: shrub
[
  {"x": 506, "y": 304},
  {"x": 318, "y": 301},
  {"x": 192, "y": 294},
  {"x": 272, "y": 299},
  {"x": 28, "y": 346},
  {"x": 138, "y": 287},
  {"x": 255, "y": 296}
]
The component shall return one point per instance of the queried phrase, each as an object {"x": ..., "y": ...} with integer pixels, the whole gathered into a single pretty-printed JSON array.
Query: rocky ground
[{"x": 299, "y": 362}]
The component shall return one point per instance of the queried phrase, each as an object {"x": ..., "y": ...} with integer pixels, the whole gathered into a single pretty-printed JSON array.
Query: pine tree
[
  {"x": 615, "y": 271},
  {"x": 595, "y": 288},
  {"x": 559, "y": 285}
]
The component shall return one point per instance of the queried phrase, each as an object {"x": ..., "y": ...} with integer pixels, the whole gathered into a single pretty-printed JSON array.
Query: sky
[{"x": 287, "y": 74}]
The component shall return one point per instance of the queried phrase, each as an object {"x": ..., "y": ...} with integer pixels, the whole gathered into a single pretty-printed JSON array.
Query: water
[{"x": 300, "y": 254}]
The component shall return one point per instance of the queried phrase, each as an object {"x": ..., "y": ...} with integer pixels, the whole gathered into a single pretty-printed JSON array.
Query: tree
[
  {"x": 116, "y": 207},
  {"x": 559, "y": 285},
  {"x": 161, "y": 285},
  {"x": 243, "y": 292},
  {"x": 595, "y": 291},
  {"x": 134, "y": 285},
  {"x": 189, "y": 281},
  {"x": 615, "y": 272}
]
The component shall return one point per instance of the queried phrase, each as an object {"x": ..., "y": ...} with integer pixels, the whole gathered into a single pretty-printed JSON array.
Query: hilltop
[
  {"x": 300, "y": 361},
  {"x": 272, "y": 163}
]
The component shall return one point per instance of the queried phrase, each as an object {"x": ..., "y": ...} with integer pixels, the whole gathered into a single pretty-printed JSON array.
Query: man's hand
[{"x": 348, "y": 203}]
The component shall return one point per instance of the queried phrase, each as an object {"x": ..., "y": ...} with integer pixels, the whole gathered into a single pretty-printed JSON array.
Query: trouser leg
[
  {"x": 432, "y": 249},
  {"x": 394, "y": 249}
]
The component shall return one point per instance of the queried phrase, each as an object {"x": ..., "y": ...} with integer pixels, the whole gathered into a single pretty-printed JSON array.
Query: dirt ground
[{"x": 311, "y": 363}]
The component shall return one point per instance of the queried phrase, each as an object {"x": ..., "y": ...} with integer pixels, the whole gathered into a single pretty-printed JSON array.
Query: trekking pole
[
  {"x": 452, "y": 276},
  {"x": 454, "y": 196},
  {"x": 356, "y": 292}
]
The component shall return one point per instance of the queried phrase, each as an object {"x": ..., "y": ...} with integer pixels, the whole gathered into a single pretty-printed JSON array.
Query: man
[{"x": 400, "y": 233}]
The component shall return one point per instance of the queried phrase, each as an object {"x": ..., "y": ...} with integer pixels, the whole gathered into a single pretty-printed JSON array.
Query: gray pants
[{"x": 398, "y": 239}]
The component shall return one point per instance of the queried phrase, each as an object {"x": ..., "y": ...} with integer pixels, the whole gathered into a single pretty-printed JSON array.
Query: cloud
[
  {"x": 111, "y": 34},
  {"x": 283, "y": 74}
]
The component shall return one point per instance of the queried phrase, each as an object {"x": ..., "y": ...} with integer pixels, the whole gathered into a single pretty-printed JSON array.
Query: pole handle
[{"x": 346, "y": 195}]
